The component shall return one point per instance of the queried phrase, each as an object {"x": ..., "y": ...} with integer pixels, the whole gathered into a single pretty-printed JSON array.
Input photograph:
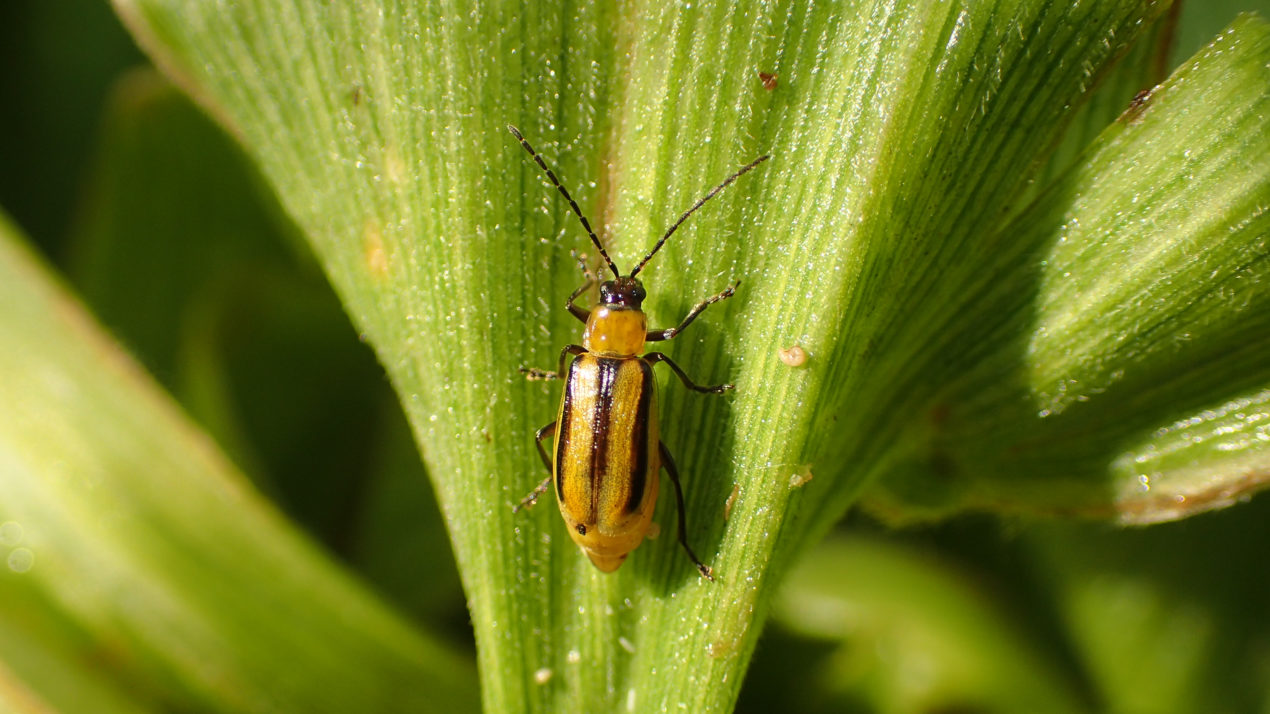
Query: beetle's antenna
[
  {"x": 695, "y": 206},
  {"x": 572, "y": 203}
]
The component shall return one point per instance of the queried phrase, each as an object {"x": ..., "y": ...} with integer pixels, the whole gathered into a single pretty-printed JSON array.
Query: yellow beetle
[{"x": 608, "y": 451}]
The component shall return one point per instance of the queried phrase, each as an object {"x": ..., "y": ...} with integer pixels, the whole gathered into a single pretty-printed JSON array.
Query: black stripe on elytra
[
  {"x": 564, "y": 430},
  {"x": 639, "y": 439},
  {"x": 606, "y": 376}
]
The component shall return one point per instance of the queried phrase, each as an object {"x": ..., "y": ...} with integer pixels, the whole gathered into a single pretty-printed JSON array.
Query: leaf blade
[
  {"x": 137, "y": 533},
  {"x": 1146, "y": 263}
]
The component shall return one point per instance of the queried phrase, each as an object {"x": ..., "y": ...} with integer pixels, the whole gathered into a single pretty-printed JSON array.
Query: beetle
[{"x": 608, "y": 453}]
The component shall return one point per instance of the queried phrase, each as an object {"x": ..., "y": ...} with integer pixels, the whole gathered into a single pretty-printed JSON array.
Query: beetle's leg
[
  {"x": 546, "y": 432},
  {"x": 586, "y": 270},
  {"x": 534, "y": 374},
  {"x": 532, "y": 498},
  {"x": 574, "y": 309},
  {"x": 670, "y": 332},
  {"x": 655, "y": 357},
  {"x": 581, "y": 313},
  {"x": 669, "y": 464}
]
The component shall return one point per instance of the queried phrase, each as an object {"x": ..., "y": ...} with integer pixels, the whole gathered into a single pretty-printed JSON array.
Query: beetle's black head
[{"x": 623, "y": 292}]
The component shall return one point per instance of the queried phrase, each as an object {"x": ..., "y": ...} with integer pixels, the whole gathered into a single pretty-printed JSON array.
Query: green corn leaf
[
  {"x": 902, "y": 135},
  {"x": 880, "y": 604},
  {"x": 1144, "y": 66},
  {"x": 42, "y": 663},
  {"x": 142, "y": 572},
  {"x": 1157, "y": 622},
  {"x": 183, "y": 256},
  {"x": 1122, "y": 372}
]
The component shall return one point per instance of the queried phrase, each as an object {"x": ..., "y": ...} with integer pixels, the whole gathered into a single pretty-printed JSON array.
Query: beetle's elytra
[{"x": 608, "y": 451}]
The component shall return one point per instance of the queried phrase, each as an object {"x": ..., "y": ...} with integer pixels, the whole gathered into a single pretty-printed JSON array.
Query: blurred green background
[{"x": 158, "y": 221}]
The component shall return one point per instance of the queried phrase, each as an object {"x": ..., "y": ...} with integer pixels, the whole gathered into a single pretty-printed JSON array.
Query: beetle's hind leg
[
  {"x": 546, "y": 432},
  {"x": 532, "y": 498},
  {"x": 534, "y": 374},
  {"x": 669, "y": 464}
]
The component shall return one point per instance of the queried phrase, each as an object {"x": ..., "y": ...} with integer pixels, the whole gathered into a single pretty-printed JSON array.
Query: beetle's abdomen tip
[{"x": 606, "y": 563}]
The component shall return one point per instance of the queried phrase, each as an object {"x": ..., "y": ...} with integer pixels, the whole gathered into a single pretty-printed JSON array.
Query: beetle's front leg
[
  {"x": 655, "y": 357},
  {"x": 574, "y": 309},
  {"x": 546, "y": 432},
  {"x": 534, "y": 374},
  {"x": 670, "y": 332}
]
